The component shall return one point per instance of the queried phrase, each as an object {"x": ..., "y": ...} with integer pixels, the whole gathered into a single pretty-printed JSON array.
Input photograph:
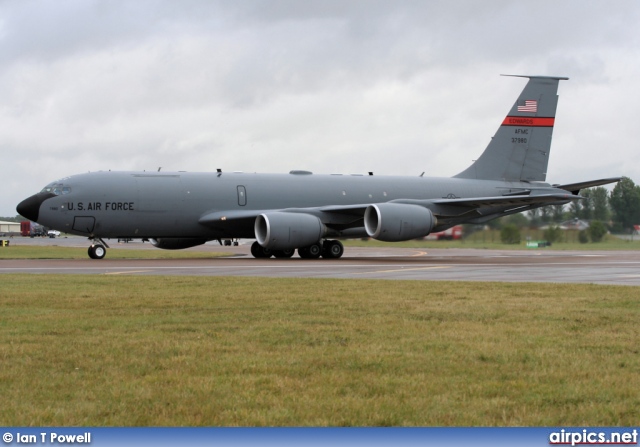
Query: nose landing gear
[{"x": 99, "y": 250}]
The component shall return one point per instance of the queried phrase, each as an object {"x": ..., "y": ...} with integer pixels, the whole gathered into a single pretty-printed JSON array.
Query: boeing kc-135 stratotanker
[{"x": 308, "y": 212}]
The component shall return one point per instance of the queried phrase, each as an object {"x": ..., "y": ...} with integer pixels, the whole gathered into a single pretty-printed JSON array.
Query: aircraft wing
[
  {"x": 218, "y": 217},
  {"x": 479, "y": 210},
  {"x": 349, "y": 215},
  {"x": 331, "y": 215},
  {"x": 508, "y": 200},
  {"x": 475, "y": 202}
]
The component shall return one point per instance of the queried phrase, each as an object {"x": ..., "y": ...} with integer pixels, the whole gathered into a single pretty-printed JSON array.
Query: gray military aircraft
[{"x": 306, "y": 212}]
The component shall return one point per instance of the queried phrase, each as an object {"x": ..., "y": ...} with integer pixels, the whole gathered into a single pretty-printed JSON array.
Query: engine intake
[
  {"x": 176, "y": 243},
  {"x": 285, "y": 231},
  {"x": 393, "y": 222}
]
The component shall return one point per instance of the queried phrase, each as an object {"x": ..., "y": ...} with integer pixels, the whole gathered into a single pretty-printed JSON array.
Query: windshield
[{"x": 57, "y": 188}]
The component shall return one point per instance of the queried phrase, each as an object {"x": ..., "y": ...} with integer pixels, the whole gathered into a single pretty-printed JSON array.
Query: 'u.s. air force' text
[{"x": 100, "y": 206}]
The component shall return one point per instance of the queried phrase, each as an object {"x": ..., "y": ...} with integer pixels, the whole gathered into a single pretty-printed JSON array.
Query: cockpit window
[{"x": 57, "y": 189}]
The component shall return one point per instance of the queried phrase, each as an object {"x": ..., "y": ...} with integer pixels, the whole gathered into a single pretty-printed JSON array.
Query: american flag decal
[{"x": 529, "y": 106}]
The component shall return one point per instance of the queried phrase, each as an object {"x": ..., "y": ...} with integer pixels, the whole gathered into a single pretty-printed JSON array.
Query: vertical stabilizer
[{"x": 519, "y": 151}]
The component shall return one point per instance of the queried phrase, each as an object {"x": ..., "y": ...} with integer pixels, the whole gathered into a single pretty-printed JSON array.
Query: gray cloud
[{"x": 331, "y": 86}]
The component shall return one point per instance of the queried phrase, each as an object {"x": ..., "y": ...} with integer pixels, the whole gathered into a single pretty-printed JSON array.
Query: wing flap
[{"x": 497, "y": 201}]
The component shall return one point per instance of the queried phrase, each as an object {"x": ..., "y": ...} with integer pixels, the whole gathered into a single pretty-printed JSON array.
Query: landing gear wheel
[
  {"x": 258, "y": 251},
  {"x": 332, "y": 249},
  {"x": 311, "y": 252},
  {"x": 97, "y": 251},
  {"x": 283, "y": 253}
]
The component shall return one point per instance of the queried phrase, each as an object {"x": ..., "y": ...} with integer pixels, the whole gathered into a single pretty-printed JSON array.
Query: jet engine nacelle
[
  {"x": 285, "y": 231},
  {"x": 176, "y": 243},
  {"x": 393, "y": 222}
]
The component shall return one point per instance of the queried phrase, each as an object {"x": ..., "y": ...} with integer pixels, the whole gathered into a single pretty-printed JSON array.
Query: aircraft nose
[{"x": 30, "y": 207}]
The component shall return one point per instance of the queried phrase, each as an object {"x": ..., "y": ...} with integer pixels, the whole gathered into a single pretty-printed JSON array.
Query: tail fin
[{"x": 519, "y": 151}]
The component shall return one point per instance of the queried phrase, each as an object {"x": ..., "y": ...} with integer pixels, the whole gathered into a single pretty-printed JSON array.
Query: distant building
[
  {"x": 572, "y": 224},
  {"x": 9, "y": 227},
  {"x": 575, "y": 224}
]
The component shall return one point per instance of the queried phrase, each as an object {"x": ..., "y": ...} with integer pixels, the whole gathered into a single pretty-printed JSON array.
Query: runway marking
[
  {"x": 405, "y": 270},
  {"x": 420, "y": 253},
  {"x": 125, "y": 273},
  {"x": 292, "y": 266}
]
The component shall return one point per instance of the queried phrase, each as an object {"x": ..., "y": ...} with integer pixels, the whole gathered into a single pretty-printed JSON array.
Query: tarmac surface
[{"x": 542, "y": 265}]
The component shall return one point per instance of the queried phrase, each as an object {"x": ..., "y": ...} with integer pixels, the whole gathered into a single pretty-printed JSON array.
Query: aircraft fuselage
[{"x": 164, "y": 205}]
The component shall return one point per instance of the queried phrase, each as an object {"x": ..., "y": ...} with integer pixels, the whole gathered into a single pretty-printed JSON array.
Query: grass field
[
  {"x": 490, "y": 239},
  {"x": 56, "y": 252},
  {"x": 138, "y": 351}
]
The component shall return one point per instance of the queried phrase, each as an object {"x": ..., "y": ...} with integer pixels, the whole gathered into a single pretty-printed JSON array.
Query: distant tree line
[
  {"x": 616, "y": 211},
  {"x": 619, "y": 210},
  {"x": 17, "y": 218}
]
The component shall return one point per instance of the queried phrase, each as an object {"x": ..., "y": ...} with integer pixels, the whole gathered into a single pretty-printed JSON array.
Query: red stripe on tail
[{"x": 524, "y": 121}]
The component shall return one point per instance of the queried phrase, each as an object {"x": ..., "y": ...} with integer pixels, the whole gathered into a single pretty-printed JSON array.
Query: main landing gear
[{"x": 328, "y": 249}]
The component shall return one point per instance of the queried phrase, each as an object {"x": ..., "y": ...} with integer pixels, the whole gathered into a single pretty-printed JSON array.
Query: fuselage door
[
  {"x": 84, "y": 224},
  {"x": 242, "y": 195}
]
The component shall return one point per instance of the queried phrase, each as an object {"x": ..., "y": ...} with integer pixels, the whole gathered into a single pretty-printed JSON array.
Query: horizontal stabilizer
[{"x": 575, "y": 188}]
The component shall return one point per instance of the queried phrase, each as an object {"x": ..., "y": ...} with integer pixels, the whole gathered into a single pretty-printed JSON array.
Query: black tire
[
  {"x": 303, "y": 253},
  {"x": 313, "y": 251},
  {"x": 284, "y": 253},
  {"x": 258, "y": 251},
  {"x": 332, "y": 250},
  {"x": 97, "y": 251}
]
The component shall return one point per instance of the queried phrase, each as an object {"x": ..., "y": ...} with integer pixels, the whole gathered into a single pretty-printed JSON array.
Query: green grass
[
  {"x": 55, "y": 252},
  {"x": 490, "y": 239},
  {"x": 138, "y": 351}
]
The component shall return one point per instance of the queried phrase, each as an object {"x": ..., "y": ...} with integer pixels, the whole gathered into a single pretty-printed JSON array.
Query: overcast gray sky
[{"x": 395, "y": 87}]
